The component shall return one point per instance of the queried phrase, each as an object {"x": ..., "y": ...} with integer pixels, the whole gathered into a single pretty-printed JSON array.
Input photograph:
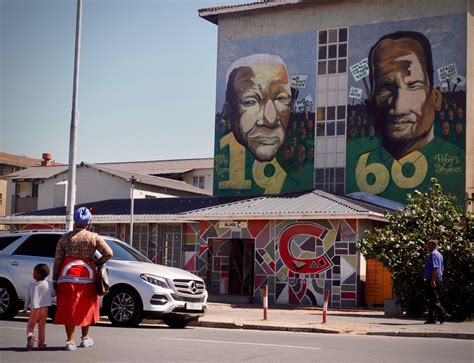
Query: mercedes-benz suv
[{"x": 138, "y": 288}]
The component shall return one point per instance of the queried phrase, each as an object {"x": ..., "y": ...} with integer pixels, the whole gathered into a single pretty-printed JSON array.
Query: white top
[{"x": 38, "y": 294}]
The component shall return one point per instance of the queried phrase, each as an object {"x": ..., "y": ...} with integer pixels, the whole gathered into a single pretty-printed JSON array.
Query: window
[
  {"x": 330, "y": 179},
  {"x": 43, "y": 245},
  {"x": 105, "y": 229},
  {"x": 331, "y": 114},
  {"x": 124, "y": 253},
  {"x": 1, "y": 198},
  {"x": 140, "y": 238},
  {"x": 7, "y": 241},
  {"x": 198, "y": 181},
  {"x": 24, "y": 189},
  {"x": 2, "y": 169},
  {"x": 172, "y": 245}
]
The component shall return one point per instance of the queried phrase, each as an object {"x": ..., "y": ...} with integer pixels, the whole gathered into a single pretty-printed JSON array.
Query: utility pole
[
  {"x": 132, "y": 181},
  {"x": 71, "y": 181}
]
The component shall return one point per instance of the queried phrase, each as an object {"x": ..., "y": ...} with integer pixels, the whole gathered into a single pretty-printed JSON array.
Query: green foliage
[{"x": 400, "y": 247}]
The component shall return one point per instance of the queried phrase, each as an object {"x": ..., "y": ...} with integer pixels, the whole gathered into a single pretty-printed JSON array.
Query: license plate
[{"x": 190, "y": 306}]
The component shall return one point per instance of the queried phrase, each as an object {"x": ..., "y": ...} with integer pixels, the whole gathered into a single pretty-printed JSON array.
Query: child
[{"x": 38, "y": 298}]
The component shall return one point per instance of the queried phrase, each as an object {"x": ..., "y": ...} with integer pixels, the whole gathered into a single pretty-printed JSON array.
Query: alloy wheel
[
  {"x": 122, "y": 307},
  {"x": 4, "y": 300}
]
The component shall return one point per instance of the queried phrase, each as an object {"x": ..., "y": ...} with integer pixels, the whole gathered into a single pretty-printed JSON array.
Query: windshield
[{"x": 122, "y": 252}]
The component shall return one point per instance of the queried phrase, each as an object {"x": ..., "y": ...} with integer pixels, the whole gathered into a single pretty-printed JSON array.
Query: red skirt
[{"x": 78, "y": 303}]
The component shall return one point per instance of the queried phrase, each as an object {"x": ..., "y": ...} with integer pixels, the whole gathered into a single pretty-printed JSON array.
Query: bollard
[
  {"x": 325, "y": 306},
  {"x": 265, "y": 302}
]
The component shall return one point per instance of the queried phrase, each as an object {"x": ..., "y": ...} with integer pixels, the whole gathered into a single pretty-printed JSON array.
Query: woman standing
[{"x": 74, "y": 276}]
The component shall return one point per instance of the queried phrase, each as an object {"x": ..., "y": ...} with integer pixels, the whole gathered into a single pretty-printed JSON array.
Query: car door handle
[{"x": 14, "y": 263}]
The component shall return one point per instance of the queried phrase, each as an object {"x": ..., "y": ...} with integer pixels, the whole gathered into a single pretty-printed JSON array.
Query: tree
[{"x": 400, "y": 247}]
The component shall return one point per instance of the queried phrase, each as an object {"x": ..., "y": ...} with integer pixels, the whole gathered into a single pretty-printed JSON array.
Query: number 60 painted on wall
[{"x": 382, "y": 174}]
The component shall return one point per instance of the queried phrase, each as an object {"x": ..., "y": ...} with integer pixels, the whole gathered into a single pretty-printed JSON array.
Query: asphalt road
[{"x": 161, "y": 344}]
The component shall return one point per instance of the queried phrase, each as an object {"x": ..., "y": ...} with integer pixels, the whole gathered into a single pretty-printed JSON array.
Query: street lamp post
[
  {"x": 132, "y": 181},
  {"x": 71, "y": 181}
]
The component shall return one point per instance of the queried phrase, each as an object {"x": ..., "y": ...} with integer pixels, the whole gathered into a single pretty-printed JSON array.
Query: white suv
[{"x": 138, "y": 288}]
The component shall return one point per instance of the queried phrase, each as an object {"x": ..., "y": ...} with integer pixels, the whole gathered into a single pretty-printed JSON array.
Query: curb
[
  {"x": 450, "y": 335},
  {"x": 222, "y": 325},
  {"x": 229, "y": 325}
]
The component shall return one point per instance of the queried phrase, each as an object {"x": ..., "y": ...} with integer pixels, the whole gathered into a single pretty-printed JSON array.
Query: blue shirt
[{"x": 435, "y": 260}]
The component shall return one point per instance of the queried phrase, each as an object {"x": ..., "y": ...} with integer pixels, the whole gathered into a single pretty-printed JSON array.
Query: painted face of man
[
  {"x": 261, "y": 108},
  {"x": 445, "y": 128},
  {"x": 450, "y": 115},
  {"x": 458, "y": 128},
  {"x": 402, "y": 93},
  {"x": 300, "y": 154}
]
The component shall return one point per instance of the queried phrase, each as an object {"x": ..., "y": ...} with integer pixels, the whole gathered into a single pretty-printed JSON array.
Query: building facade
[
  {"x": 298, "y": 244},
  {"x": 10, "y": 163},
  {"x": 344, "y": 96},
  {"x": 46, "y": 187}
]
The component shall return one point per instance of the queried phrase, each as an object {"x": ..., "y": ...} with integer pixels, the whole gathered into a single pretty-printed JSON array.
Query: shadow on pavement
[{"x": 22, "y": 349}]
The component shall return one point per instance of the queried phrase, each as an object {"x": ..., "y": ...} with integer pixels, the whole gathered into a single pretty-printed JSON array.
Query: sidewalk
[{"x": 356, "y": 322}]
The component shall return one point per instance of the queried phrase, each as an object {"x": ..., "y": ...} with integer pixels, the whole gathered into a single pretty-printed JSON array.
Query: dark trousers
[{"x": 432, "y": 299}]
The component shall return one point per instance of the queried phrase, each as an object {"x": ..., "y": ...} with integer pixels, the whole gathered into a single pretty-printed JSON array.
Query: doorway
[{"x": 231, "y": 267}]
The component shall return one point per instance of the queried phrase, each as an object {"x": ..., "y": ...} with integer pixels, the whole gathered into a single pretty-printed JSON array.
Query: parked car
[{"x": 138, "y": 288}]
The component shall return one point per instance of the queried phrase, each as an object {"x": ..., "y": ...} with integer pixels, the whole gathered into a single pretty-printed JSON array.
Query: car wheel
[
  {"x": 176, "y": 323},
  {"x": 124, "y": 307},
  {"x": 8, "y": 301}
]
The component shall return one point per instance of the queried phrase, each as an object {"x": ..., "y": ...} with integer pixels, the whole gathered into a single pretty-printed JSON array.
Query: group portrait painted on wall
[
  {"x": 405, "y": 110},
  {"x": 380, "y": 108},
  {"x": 409, "y": 125},
  {"x": 264, "y": 140}
]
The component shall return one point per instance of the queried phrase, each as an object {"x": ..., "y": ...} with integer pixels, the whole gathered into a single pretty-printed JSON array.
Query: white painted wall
[
  {"x": 93, "y": 185},
  {"x": 314, "y": 15},
  {"x": 208, "y": 177},
  {"x": 10, "y": 191}
]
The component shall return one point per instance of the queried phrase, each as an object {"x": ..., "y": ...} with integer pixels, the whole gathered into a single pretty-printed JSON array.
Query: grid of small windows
[
  {"x": 331, "y": 109},
  {"x": 332, "y": 51},
  {"x": 140, "y": 237},
  {"x": 330, "y": 179},
  {"x": 105, "y": 229}
]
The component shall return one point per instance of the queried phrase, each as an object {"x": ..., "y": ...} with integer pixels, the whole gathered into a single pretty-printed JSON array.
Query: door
[{"x": 231, "y": 267}]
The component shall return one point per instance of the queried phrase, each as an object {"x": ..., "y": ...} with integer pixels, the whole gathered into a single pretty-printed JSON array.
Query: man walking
[{"x": 433, "y": 274}]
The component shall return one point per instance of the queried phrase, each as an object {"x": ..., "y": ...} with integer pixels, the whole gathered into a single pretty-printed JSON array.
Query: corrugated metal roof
[
  {"x": 18, "y": 160},
  {"x": 39, "y": 172},
  {"x": 211, "y": 14},
  {"x": 157, "y": 167},
  {"x": 309, "y": 205},
  {"x": 152, "y": 180},
  {"x": 116, "y": 210}
]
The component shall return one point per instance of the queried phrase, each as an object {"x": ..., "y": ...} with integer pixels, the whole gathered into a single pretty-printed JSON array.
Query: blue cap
[{"x": 82, "y": 216}]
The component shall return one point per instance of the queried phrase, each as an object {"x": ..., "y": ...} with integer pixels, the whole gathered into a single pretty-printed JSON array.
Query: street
[{"x": 161, "y": 344}]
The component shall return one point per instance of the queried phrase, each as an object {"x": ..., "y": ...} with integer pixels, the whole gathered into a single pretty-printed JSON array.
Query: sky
[{"x": 147, "y": 83}]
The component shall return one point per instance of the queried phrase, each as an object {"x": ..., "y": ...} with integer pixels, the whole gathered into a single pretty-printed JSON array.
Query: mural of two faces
[{"x": 404, "y": 112}]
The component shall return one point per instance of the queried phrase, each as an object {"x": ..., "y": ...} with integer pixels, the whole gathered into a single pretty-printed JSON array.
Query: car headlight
[{"x": 155, "y": 280}]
